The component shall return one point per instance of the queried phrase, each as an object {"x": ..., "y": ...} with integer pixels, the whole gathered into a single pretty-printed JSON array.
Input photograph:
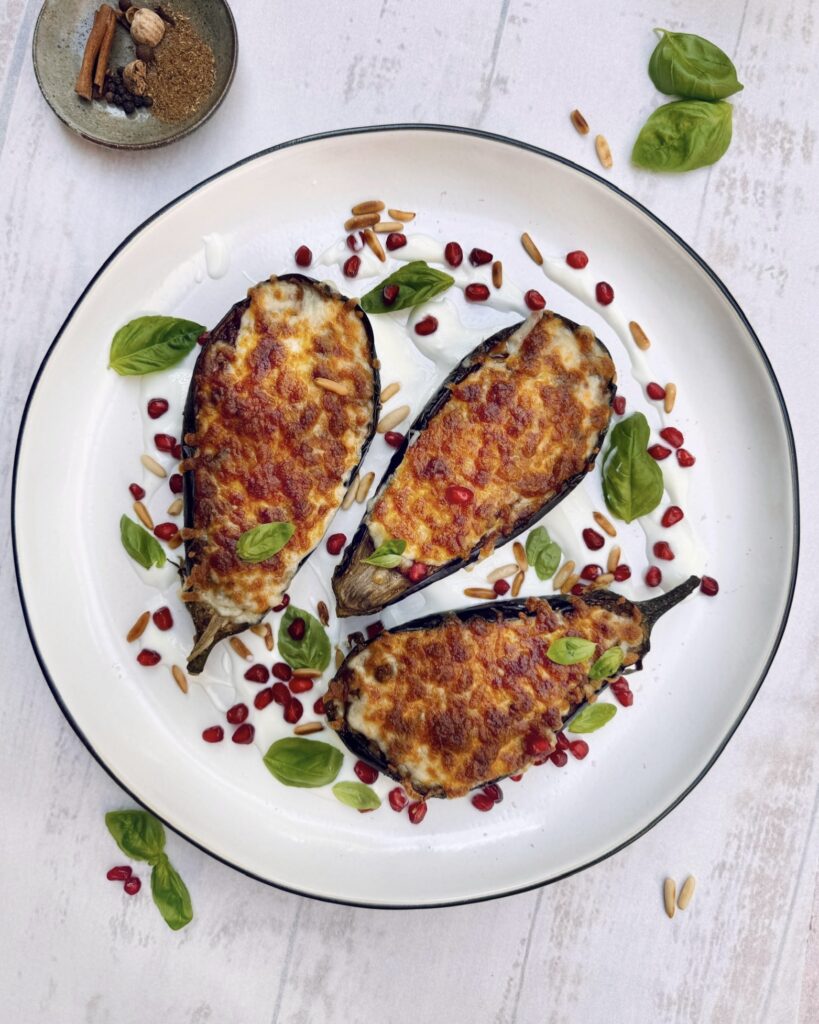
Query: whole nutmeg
[
  {"x": 124, "y": 5},
  {"x": 144, "y": 52},
  {"x": 147, "y": 27},
  {"x": 135, "y": 77}
]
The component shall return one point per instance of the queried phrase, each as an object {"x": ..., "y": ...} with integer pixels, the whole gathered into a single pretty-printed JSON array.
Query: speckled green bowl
[{"x": 59, "y": 41}]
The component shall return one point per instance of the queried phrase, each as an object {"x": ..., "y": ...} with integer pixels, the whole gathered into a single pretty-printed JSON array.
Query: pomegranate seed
[
  {"x": 164, "y": 442},
  {"x": 534, "y": 300},
  {"x": 394, "y": 439},
  {"x": 417, "y": 812},
  {"x": 318, "y": 707},
  {"x": 604, "y": 293},
  {"x": 395, "y": 240},
  {"x": 577, "y": 259},
  {"x": 417, "y": 572},
  {"x": 709, "y": 586},
  {"x": 480, "y": 256},
  {"x": 300, "y": 684},
  {"x": 559, "y": 758},
  {"x": 659, "y": 452},
  {"x": 398, "y": 799},
  {"x": 166, "y": 530},
  {"x": 535, "y": 745},
  {"x": 119, "y": 874},
  {"x": 653, "y": 576},
  {"x": 335, "y": 542},
  {"x": 619, "y": 404},
  {"x": 297, "y": 629},
  {"x": 426, "y": 325},
  {"x": 685, "y": 458},
  {"x": 562, "y": 741},
  {"x": 374, "y": 629},
  {"x": 157, "y": 407},
  {"x": 592, "y": 539},
  {"x": 662, "y": 550},
  {"x": 516, "y": 778},
  {"x": 389, "y": 293},
  {"x": 282, "y": 671},
  {"x": 494, "y": 792},
  {"x": 578, "y": 589},
  {"x": 673, "y": 514},
  {"x": 622, "y": 691},
  {"x": 237, "y": 714},
  {"x": 354, "y": 244},
  {"x": 162, "y": 618},
  {"x": 281, "y": 694},
  {"x": 453, "y": 254},
  {"x": 203, "y": 337},
  {"x": 622, "y": 573},
  {"x": 352, "y": 266},
  {"x": 285, "y": 601},
  {"x": 132, "y": 886},
  {"x": 257, "y": 674},
  {"x": 303, "y": 256},
  {"x": 591, "y": 572},
  {"x": 500, "y": 587},
  {"x": 137, "y": 491},
  {"x": 213, "y": 734},
  {"x": 456, "y": 495},
  {"x": 175, "y": 483},
  {"x": 293, "y": 710},
  {"x": 365, "y": 772},
  {"x": 263, "y": 698},
  {"x": 176, "y": 451},
  {"x": 655, "y": 391},
  {"x": 579, "y": 749},
  {"x": 482, "y": 802},
  {"x": 476, "y": 292},
  {"x": 244, "y": 734},
  {"x": 673, "y": 436},
  {"x": 148, "y": 658}
]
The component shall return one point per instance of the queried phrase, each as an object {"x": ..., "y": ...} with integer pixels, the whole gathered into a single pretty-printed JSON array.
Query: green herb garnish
[
  {"x": 152, "y": 343},
  {"x": 388, "y": 554},
  {"x": 313, "y": 650},
  {"x": 357, "y": 795},
  {"x": 592, "y": 717},
  {"x": 140, "y": 545},
  {"x": 683, "y": 136},
  {"x": 263, "y": 541},
  {"x": 632, "y": 479},
  {"x": 569, "y": 650},
  {"x": 689, "y": 66},
  {"x": 306, "y": 764},
  {"x": 608, "y": 664},
  {"x": 542, "y": 553},
  {"x": 417, "y": 283}
]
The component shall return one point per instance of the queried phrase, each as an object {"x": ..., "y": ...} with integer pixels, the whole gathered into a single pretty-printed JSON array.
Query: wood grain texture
[{"x": 598, "y": 946}]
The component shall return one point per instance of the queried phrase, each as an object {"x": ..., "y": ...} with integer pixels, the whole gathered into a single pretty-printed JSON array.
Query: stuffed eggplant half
[
  {"x": 511, "y": 432},
  {"x": 451, "y": 702},
  {"x": 280, "y": 411}
]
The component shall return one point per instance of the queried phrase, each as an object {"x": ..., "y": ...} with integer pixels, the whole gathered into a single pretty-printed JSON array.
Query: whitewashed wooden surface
[{"x": 596, "y": 947}]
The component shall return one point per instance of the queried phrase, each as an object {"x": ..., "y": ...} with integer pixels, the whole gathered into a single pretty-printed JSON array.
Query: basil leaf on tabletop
[
  {"x": 417, "y": 282},
  {"x": 592, "y": 717},
  {"x": 140, "y": 545},
  {"x": 687, "y": 65},
  {"x": 152, "y": 343},
  {"x": 137, "y": 833},
  {"x": 683, "y": 136},
  {"x": 170, "y": 894},
  {"x": 569, "y": 650},
  {"x": 542, "y": 553},
  {"x": 313, "y": 650},
  {"x": 304, "y": 763},
  {"x": 263, "y": 541},
  {"x": 388, "y": 554},
  {"x": 357, "y": 795},
  {"x": 632, "y": 479},
  {"x": 607, "y": 664}
]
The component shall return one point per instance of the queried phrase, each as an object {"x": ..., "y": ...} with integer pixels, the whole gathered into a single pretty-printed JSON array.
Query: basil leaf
[
  {"x": 137, "y": 833},
  {"x": 263, "y": 541},
  {"x": 686, "y": 65},
  {"x": 313, "y": 650},
  {"x": 170, "y": 894},
  {"x": 388, "y": 555},
  {"x": 417, "y": 282},
  {"x": 592, "y": 717},
  {"x": 303, "y": 763},
  {"x": 632, "y": 479},
  {"x": 683, "y": 136},
  {"x": 607, "y": 664},
  {"x": 356, "y": 794},
  {"x": 152, "y": 343},
  {"x": 569, "y": 650},
  {"x": 542, "y": 553},
  {"x": 140, "y": 545}
]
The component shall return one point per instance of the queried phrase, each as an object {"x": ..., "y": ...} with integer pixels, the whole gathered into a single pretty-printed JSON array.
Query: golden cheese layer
[
  {"x": 451, "y": 707},
  {"x": 271, "y": 445},
  {"x": 513, "y": 433}
]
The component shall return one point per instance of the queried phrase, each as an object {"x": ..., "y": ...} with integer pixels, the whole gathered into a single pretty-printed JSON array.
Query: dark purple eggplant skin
[
  {"x": 361, "y": 545},
  {"x": 226, "y": 331}
]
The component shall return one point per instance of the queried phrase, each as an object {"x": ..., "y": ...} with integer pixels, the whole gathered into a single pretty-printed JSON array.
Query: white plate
[{"x": 81, "y": 432}]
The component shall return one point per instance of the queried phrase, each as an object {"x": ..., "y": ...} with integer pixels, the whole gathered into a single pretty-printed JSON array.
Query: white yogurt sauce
[{"x": 217, "y": 255}]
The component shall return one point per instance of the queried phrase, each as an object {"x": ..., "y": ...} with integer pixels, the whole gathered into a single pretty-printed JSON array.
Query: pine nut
[
  {"x": 517, "y": 583},
  {"x": 531, "y": 248},
  {"x": 392, "y": 419},
  {"x": 307, "y": 728},
  {"x": 519, "y": 552},
  {"x": 603, "y": 151},
  {"x": 390, "y": 390},
  {"x": 138, "y": 628},
  {"x": 265, "y": 631},
  {"x": 403, "y": 215},
  {"x": 339, "y": 657},
  {"x": 362, "y": 220},
  {"x": 580, "y": 122},
  {"x": 175, "y": 507},
  {"x": 669, "y": 895},
  {"x": 143, "y": 515},
  {"x": 687, "y": 892},
  {"x": 363, "y": 489},
  {"x": 180, "y": 678},
  {"x": 562, "y": 574},
  {"x": 371, "y": 238},
  {"x": 385, "y": 227},
  {"x": 485, "y": 593},
  {"x": 639, "y": 335},
  {"x": 614, "y": 558},
  {"x": 570, "y": 582},
  {"x": 497, "y": 274},
  {"x": 152, "y": 465},
  {"x": 368, "y": 206},
  {"x": 306, "y": 673},
  {"x": 323, "y": 613},
  {"x": 175, "y": 541},
  {"x": 670, "y": 397},
  {"x": 240, "y": 647},
  {"x": 605, "y": 524},
  {"x": 603, "y": 580},
  {"x": 349, "y": 497},
  {"x": 502, "y": 572},
  {"x": 332, "y": 385}
]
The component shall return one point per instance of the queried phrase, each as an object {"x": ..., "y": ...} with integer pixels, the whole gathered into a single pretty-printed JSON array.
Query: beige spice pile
[{"x": 183, "y": 72}]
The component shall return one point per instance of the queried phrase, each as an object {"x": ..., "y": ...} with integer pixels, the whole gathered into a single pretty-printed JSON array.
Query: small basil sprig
[
  {"x": 388, "y": 554},
  {"x": 632, "y": 479},
  {"x": 683, "y": 136},
  {"x": 141, "y": 837},
  {"x": 152, "y": 343},
  {"x": 542, "y": 553},
  {"x": 592, "y": 717},
  {"x": 607, "y": 664},
  {"x": 357, "y": 795},
  {"x": 140, "y": 545},
  {"x": 569, "y": 650},
  {"x": 313, "y": 650},
  {"x": 303, "y": 763},
  {"x": 417, "y": 283},
  {"x": 689, "y": 66},
  {"x": 263, "y": 541}
]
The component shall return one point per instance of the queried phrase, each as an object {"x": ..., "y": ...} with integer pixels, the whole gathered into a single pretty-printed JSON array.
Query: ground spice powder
[{"x": 183, "y": 72}]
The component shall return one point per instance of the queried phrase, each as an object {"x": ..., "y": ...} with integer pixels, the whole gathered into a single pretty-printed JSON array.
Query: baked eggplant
[
  {"x": 512, "y": 430},
  {"x": 451, "y": 702},
  {"x": 264, "y": 443}
]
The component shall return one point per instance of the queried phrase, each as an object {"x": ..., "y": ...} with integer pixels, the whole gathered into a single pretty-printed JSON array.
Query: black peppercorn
[
  {"x": 145, "y": 52},
  {"x": 124, "y": 5},
  {"x": 128, "y": 106},
  {"x": 109, "y": 97},
  {"x": 147, "y": 101}
]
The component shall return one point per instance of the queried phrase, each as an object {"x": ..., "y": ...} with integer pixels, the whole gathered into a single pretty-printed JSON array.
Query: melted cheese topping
[
  {"x": 514, "y": 433},
  {"x": 270, "y": 444},
  {"x": 451, "y": 707}
]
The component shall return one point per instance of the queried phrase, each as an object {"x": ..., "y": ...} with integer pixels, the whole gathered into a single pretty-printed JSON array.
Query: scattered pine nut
[
  {"x": 562, "y": 574},
  {"x": 614, "y": 558},
  {"x": 385, "y": 227},
  {"x": 392, "y": 419},
  {"x": 323, "y": 613},
  {"x": 603, "y": 151},
  {"x": 485, "y": 593},
  {"x": 339, "y": 657},
  {"x": 332, "y": 385},
  {"x": 265, "y": 631},
  {"x": 403, "y": 215},
  {"x": 502, "y": 572},
  {"x": 361, "y": 220},
  {"x": 390, "y": 390},
  {"x": 175, "y": 507},
  {"x": 307, "y": 727},
  {"x": 240, "y": 647},
  {"x": 531, "y": 248},
  {"x": 687, "y": 892},
  {"x": 306, "y": 673},
  {"x": 189, "y": 596},
  {"x": 570, "y": 582},
  {"x": 670, "y": 397},
  {"x": 152, "y": 465},
  {"x": 669, "y": 895},
  {"x": 639, "y": 335},
  {"x": 605, "y": 524},
  {"x": 138, "y": 628},
  {"x": 363, "y": 489},
  {"x": 180, "y": 678},
  {"x": 497, "y": 274},
  {"x": 519, "y": 551},
  {"x": 371, "y": 238},
  {"x": 368, "y": 206},
  {"x": 580, "y": 123},
  {"x": 175, "y": 541},
  {"x": 603, "y": 580},
  {"x": 349, "y": 497},
  {"x": 517, "y": 583},
  {"x": 143, "y": 515}
]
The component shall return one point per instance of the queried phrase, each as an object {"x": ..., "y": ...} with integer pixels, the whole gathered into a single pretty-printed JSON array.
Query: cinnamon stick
[
  {"x": 105, "y": 49},
  {"x": 85, "y": 78}
]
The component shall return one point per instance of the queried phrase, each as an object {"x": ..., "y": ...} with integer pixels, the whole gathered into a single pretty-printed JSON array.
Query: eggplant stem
[{"x": 657, "y": 606}]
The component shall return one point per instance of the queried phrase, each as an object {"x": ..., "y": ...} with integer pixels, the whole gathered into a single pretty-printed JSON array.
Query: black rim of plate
[{"x": 505, "y": 140}]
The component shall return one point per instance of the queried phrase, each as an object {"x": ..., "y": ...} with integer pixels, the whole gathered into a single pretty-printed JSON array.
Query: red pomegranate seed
[
  {"x": 394, "y": 439},
  {"x": 237, "y": 714},
  {"x": 301, "y": 684},
  {"x": 175, "y": 483},
  {"x": 536, "y": 745},
  {"x": 562, "y": 741},
  {"x": 244, "y": 734},
  {"x": 457, "y": 495},
  {"x": 285, "y": 601},
  {"x": 591, "y": 572},
  {"x": 476, "y": 292},
  {"x": 365, "y": 772},
  {"x": 303, "y": 256},
  {"x": 494, "y": 792},
  {"x": 176, "y": 451},
  {"x": 203, "y": 338},
  {"x": 673, "y": 436},
  {"x": 417, "y": 812},
  {"x": 166, "y": 530},
  {"x": 482, "y": 802},
  {"x": 579, "y": 749},
  {"x": 352, "y": 266},
  {"x": 148, "y": 658},
  {"x": 659, "y": 452},
  {"x": 534, "y": 300},
  {"x": 559, "y": 758},
  {"x": 293, "y": 710},
  {"x": 709, "y": 586},
  {"x": 335, "y": 542},
  {"x": 516, "y": 778},
  {"x": 417, "y": 572},
  {"x": 653, "y": 576},
  {"x": 578, "y": 589},
  {"x": 480, "y": 256},
  {"x": 164, "y": 442},
  {"x": 592, "y": 539},
  {"x": 374, "y": 629},
  {"x": 426, "y": 325},
  {"x": 662, "y": 550},
  {"x": 354, "y": 244},
  {"x": 281, "y": 694},
  {"x": 213, "y": 734},
  {"x": 622, "y": 691},
  {"x": 157, "y": 407},
  {"x": 263, "y": 698},
  {"x": 389, "y": 293},
  {"x": 318, "y": 707},
  {"x": 655, "y": 391},
  {"x": 398, "y": 799},
  {"x": 619, "y": 404},
  {"x": 132, "y": 886},
  {"x": 453, "y": 254},
  {"x": 282, "y": 671},
  {"x": 257, "y": 674},
  {"x": 137, "y": 491},
  {"x": 685, "y": 458},
  {"x": 162, "y": 618},
  {"x": 577, "y": 259},
  {"x": 500, "y": 587},
  {"x": 622, "y": 573},
  {"x": 119, "y": 874},
  {"x": 604, "y": 293},
  {"x": 673, "y": 514},
  {"x": 395, "y": 240},
  {"x": 297, "y": 629}
]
